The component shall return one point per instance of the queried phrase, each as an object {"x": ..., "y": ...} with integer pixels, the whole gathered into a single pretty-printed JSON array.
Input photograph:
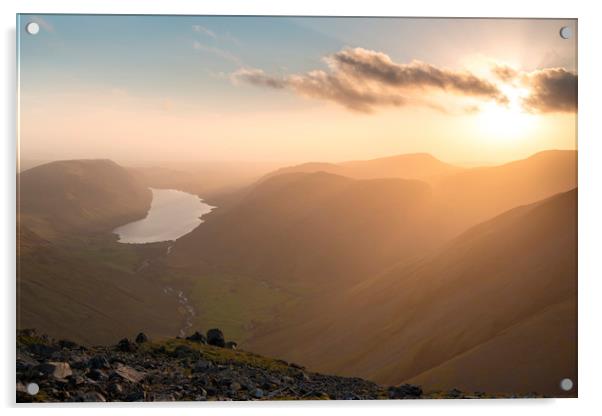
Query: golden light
[{"x": 507, "y": 122}]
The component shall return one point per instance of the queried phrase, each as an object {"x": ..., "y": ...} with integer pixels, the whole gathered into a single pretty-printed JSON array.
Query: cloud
[
  {"x": 552, "y": 90},
  {"x": 204, "y": 30},
  {"x": 377, "y": 66},
  {"x": 361, "y": 80},
  {"x": 257, "y": 77},
  {"x": 224, "y": 54}
]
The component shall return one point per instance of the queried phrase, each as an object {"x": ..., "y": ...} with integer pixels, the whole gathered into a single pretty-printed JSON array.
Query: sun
[{"x": 507, "y": 122}]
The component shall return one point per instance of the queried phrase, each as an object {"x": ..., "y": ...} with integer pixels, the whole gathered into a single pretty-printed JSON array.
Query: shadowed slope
[
  {"x": 315, "y": 227},
  {"x": 74, "y": 279},
  {"x": 79, "y": 196},
  {"x": 503, "y": 277}
]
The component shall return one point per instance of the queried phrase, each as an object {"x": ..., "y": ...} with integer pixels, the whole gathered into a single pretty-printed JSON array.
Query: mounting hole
[
  {"x": 566, "y": 384},
  {"x": 32, "y": 28},
  {"x": 33, "y": 389},
  {"x": 566, "y": 32}
]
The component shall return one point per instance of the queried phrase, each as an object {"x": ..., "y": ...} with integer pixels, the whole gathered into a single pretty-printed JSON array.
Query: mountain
[
  {"x": 73, "y": 278},
  {"x": 407, "y": 166},
  {"x": 79, "y": 196},
  {"x": 190, "y": 369},
  {"x": 477, "y": 194},
  {"x": 315, "y": 228},
  {"x": 492, "y": 310}
]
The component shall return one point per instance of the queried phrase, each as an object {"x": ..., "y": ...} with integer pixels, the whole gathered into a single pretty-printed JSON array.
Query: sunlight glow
[{"x": 509, "y": 122}]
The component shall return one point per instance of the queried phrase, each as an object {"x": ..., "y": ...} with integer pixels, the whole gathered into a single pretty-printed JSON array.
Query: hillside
[
  {"x": 407, "y": 166},
  {"x": 79, "y": 196},
  {"x": 182, "y": 370},
  {"x": 495, "y": 295},
  {"x": 73, "y": 278},
  {"x": 315, "y": 228},
  {"x": 477, "y": 194}
]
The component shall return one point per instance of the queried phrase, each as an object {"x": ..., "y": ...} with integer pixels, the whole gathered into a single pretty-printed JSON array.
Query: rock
[
  {"x": 25, "y": 362},
  {"x": 197, "y": 337},
  {"x": 129, "y": 374},
  {"x": 58, "y": 370},
  {"x": 97, "y": 375},
  {"x": 43, "y": 350},
  {"x": 201, "y": 366},
  {"x": 136, "y": 396},
  {"x": 141, "y": 338},
  {"x": 216, "y": 337},
  {"x": 231, "y": 345},
  {"x": 91, "y": 396},
  {"x": 183, "y": 351},
  {"x": 66, "y": 344},
  {"x": 235, "y": 386},
  {"x": 99, "y": 361},
  {"x": 405, "y": 391},
  {"x": 258, "y": 393},
  {"x": 454, "y": 393},
  {"x": 115, "y": 389},
  {"x": 125, "y": 345}
]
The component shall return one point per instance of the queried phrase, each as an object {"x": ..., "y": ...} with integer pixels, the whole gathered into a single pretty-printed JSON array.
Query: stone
[
  {"x": 99, "y": 361},
  {"x": 216, "y": 337},
  {"x": 129, "y": 374},
  {"x": 405, "y": 391},
  {"x": 201, "y": 366},
  {"x": 66, "y": 344},
  {"x": 58, "y": 370},
  {"x": 91, "y": 396},
  {"x": 258, "y": 393},
  {"x": 197, "y": 337},
  {"x": 141, "y": 338},
  {"x": 125, "y": 345}
]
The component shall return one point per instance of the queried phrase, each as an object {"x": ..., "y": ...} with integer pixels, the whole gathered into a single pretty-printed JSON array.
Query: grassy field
[{"x": 238, "y": 304}]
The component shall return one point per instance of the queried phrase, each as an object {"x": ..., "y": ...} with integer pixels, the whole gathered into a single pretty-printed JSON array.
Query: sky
[{"x": 279, "y": 89}]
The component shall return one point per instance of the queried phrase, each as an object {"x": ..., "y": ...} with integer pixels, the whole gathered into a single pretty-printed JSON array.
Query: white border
[{"x": 590, "y": 201}]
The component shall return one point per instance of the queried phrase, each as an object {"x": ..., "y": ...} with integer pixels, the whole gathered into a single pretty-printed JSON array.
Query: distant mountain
[
  {"x": 493, "y": 310},
  {"x": 407, "y": 166},
  {"x": 79, "y": 196},
  {"x": 474, "y": 195},
  {"x": 315, "y": 227}
]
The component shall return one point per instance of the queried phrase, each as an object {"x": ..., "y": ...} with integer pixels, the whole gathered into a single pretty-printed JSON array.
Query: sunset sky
[{"x": 148, "y": 88}]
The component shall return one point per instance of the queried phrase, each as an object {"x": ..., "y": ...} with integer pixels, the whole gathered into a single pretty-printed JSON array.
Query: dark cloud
[
  {"x": 552, "y": 90},
  {"x": 361, "y": 80},
  {"x": 377, "y": 66}
]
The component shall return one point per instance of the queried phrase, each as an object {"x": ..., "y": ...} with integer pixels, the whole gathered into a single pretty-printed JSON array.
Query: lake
[{"x": 172, "y": 214}]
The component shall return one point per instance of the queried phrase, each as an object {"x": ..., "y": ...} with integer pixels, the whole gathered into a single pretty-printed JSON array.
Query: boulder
[
  {"x": 67, "y": 344},
  {"x": 99, "y": 361},
  {"x": 141, "y": 338},
  {"x": 216, "y": 337},
  {"x": 58, "y": 370},
  {"x": 405, "y": 391},
  {"x": 197, "y": 337},
  {"x": 125, "y": 345},
  {"x": 129, "y": 374}
]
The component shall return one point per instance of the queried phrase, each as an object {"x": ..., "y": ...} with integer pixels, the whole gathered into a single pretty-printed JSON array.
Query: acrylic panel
[{"x": 295, "y": 208}]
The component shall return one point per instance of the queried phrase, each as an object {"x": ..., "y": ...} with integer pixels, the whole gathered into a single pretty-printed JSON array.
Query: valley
[{"x": 395, "y": 270}]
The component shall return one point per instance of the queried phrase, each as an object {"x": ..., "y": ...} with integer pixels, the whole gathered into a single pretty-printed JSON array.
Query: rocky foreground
[{"x": 198, "y": 368}]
